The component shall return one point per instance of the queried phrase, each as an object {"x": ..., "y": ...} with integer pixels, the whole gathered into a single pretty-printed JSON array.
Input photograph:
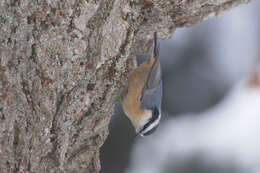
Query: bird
[{"x": 142, "y": 100}]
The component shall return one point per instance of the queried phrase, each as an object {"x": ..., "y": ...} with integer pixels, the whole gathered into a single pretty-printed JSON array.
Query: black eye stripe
[
  {"x": 155, "y": 116},
  {"x": 151, "y": 131}
]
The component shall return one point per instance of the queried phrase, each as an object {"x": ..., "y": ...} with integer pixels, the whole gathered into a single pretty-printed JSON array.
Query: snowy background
[{"x": 211, "y": 103}]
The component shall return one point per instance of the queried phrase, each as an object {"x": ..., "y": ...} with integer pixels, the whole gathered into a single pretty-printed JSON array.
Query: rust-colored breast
[{"x": 136, "y": 82}]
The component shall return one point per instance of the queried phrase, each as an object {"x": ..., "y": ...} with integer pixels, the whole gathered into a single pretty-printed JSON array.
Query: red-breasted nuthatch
[{"x": 142, "y": 100}]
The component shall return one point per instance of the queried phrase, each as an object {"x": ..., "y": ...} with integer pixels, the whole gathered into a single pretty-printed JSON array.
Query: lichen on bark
[{"x": 61, "y": 67}]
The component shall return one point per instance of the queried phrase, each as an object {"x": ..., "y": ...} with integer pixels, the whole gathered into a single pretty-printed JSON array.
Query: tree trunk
[{"x": 61, "y": 66}]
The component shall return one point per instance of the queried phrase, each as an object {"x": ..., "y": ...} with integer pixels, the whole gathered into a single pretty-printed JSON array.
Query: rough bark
[{"x": 61, "y": 66}]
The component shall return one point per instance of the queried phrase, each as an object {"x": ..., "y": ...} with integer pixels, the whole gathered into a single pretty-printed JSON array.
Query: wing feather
[{"x": 152, "y": 91}]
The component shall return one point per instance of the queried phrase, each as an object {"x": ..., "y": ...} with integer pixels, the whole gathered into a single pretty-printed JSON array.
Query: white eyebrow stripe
[{"x": 151, "y": 126}]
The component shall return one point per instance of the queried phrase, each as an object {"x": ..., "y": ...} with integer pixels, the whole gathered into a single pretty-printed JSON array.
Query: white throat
[{"x": 143, "y": 120}]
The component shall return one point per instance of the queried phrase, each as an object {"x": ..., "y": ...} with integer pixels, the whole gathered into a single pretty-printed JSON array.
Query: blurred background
[{"x": 211, "y": 103}]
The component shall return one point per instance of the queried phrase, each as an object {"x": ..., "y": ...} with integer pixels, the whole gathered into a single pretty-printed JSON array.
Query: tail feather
[{"x": 156, "y": 47}]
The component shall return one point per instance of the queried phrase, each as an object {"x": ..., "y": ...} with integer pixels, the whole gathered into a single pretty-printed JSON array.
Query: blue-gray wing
[
  {"x": 152, "y": 91},
  {"x": 152, "y": 97}
]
